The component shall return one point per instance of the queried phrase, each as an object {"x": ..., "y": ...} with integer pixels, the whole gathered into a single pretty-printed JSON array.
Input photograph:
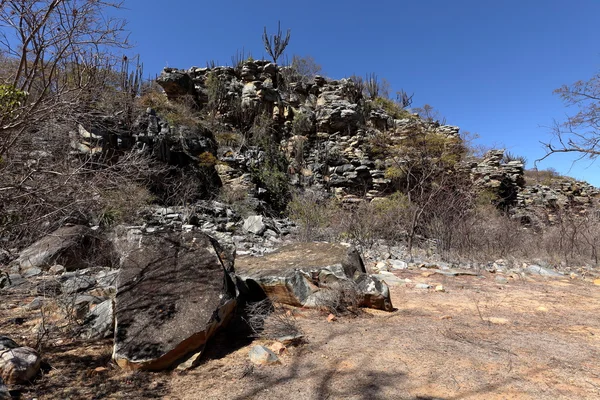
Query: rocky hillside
[{"x": 329, "y": 133}]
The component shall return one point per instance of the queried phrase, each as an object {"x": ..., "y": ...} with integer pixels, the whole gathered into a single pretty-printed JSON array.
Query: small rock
[
  {"x": 331, "y": 318},
  {"x": 57, "y": 269},
  {"x": 7, "y": 343},
  {"x": 278, "y": 348},
  {"x": 398, "y": 264},
  {"x": 422, "y": 286},
  {"x": 260, "y": 355},
  {"x": 19, "y": 365},
  {"x": 35, "y": 304},
  {"x": 597, "y": 282},
  {"x": 497, "y": 320},
  {"x": 78, "y": 284},
  {"x": 31, "y": 272},
  {"x": 537, "y": 270},
  {"x": 440, "y": 288},
  {"x": 380, "y": 266},
  {"x": 446, "y": 317},
  {"x": 501, "y": 279},
  {"x": 254, "y": 224}
]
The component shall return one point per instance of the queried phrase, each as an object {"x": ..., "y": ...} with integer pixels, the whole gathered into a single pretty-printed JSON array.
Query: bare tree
[
  {"x": 54, "y": 53},
  {"x": 275, "y": 44},
  {"x": 580, "y": 133},
  {"x": 430, "y": 114}
]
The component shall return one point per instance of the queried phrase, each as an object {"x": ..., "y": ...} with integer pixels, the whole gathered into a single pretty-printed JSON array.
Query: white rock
[
  {"x": 260, "y": 355},
  {"x": 398, "y": 264},
  {"x": 254, "y": 224}
]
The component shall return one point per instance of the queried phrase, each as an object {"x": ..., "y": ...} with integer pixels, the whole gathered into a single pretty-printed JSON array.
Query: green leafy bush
[{"x": 10, "y": 99}]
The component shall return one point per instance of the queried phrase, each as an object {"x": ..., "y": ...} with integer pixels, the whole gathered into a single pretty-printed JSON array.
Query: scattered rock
[
  {"x": 440, "y": 288},
  {"x": 174, "y": 291},
  {"x": 278, "y": 348},
  {"x": 260, "y": 355},
  {"x": 537, "y": 270},
  {"x": 77, "y": 284},
  {"x": 423, "y": 286},
  {"x": 331, "y": 318},
  {"x": 7, "y": 343},
  {"x": 100, "y": 321},
  {"x": 398, "y": 264},
  {"x": 19, "y": 365},
  {"x": 501, "y": 279},
  {"x": 497, "y": 320},
  {"x": 389, "y": 278},
  {"x": 57, "y": 269},
  {"x": 31, "y": 272},
  {"x": 254, "y": 224},
  {"x": 35, "y": 304}
]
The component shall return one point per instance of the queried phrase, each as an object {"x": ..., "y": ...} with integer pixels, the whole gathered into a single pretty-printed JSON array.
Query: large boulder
[
  {"x": 174, "y": 291},
  {"x": 312, "y": 275},
  {"x": 75, "y": 247},
  {"x": 19, "y": 364}
]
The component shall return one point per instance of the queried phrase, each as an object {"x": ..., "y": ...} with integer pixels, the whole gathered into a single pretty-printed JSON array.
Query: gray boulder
[
  {"x": 75, "y": 247},
  {"x": 19, "y": 365},
  {"x": 174, "y": 291},
  {"x": 255, "y": 224},
  {"x": 537, "y": 270},
  {"x": 100, "y": 321},
  {"x": 312, "y": 275}
]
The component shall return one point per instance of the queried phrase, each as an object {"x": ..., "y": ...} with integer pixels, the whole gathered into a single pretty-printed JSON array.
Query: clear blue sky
[{"x": 488, "y": 66}]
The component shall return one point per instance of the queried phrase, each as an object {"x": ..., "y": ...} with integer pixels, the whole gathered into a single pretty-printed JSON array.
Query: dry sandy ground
[{"x": 528, "y": 339}]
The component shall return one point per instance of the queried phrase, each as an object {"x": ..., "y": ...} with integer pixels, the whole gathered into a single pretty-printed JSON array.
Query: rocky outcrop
[
  {"x": 505, "y": 180},
  {"x": 174, "y": 291},
  {"x": 313, "y": 275}
]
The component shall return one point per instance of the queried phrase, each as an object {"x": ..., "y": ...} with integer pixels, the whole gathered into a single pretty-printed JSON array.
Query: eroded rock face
[
  {"x": 174, "y": 291},
  {"x": 308, "y": 274}
]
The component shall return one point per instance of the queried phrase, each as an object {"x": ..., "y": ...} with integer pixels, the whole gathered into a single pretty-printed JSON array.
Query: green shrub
[{"x": 11, "y": 98}]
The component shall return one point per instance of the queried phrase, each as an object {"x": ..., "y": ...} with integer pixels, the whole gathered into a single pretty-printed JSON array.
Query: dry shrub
[
  {"x": 42, "y": 187},
  {"x": 183, "y": 112},
  {"x": 339, "y": 297},
  {"x": 573, "y": 239},
  {"x": 269, "y": 320},
  {"x": 487, "y": 233},
  {"x": 313, "y": 213}
]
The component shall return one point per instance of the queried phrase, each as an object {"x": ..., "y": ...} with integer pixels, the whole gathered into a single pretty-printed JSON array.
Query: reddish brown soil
[{"x": 528, "y": 339}]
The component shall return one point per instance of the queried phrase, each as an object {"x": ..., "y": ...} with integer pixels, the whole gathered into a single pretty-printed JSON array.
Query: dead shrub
[
  {"x": 269, "y": 320},
  {"x": 339, "y": 297},
  {"x": 313, "y": 213}
]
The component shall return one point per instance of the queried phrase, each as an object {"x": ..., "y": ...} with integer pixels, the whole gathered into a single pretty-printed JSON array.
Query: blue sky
[{"x": 488, "y": 66}]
